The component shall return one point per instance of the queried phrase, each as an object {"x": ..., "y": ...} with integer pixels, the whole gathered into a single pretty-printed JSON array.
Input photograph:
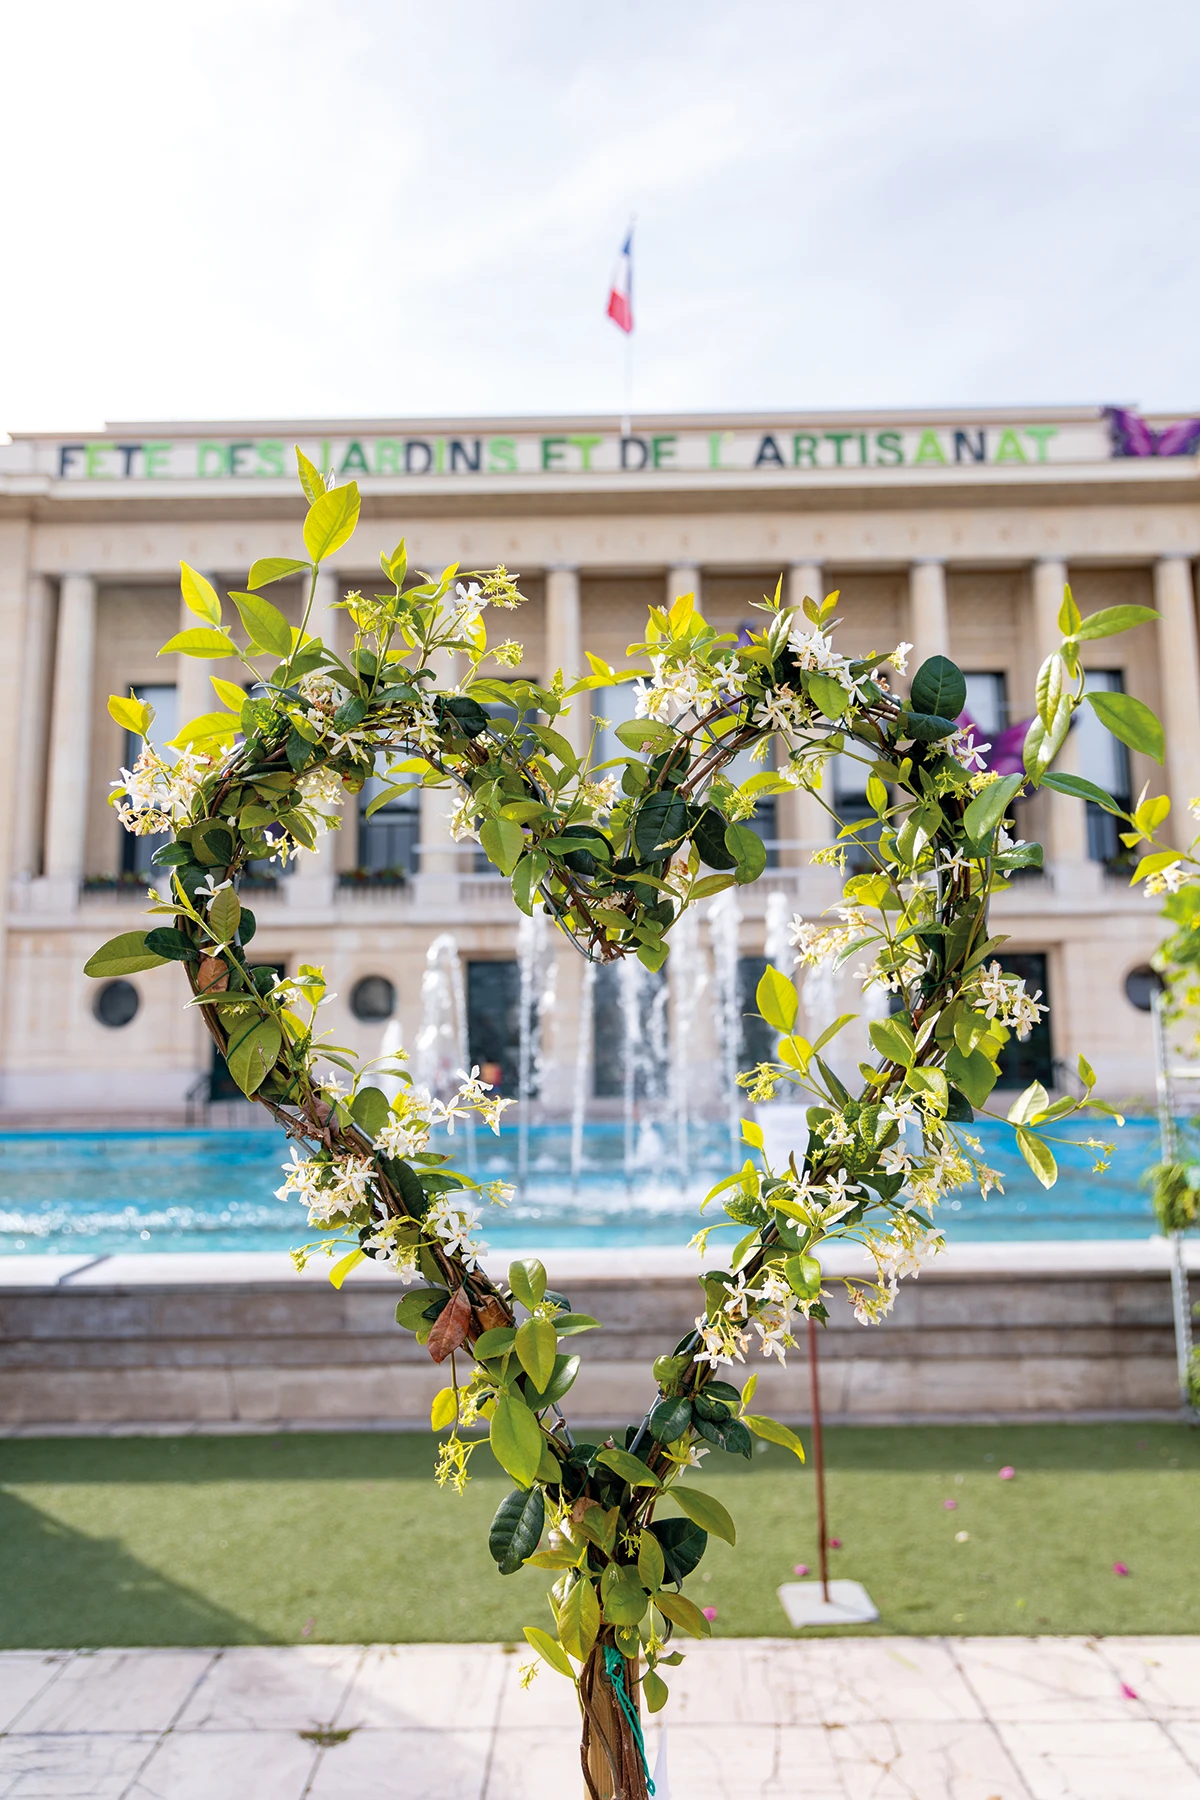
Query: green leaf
[
  {"x": 625, "y": 1599},
  {"x": 207, "y": 728},
  {"x": 777, "y": 1000},
  {"x": 253, "y": 1055},
  {"x": 516, "y": 1439},
  {"x": 660, "y": 822},
  {"x": 311, "y": 479},
  {"x": 803, "y": 1275},
  {"x": 635, "y": 734},
  {"x": 199, "y": 643},
  {"x": 529, "y": 872},
  {"x": 274, "y": 568},
  {"x": 516, "y": 1528},
  {"x": 410, "y": 1310},
  {"x": 704, "y": 1511},
  {"x": 988, "y": 808},
  {"x": 570, "y": 1324},
  {"x": 566, "y": 1368},
  {"x": 774, "y": 1433},
  {"x": 652, "y": 1568},
  {"x": 656, "y": 1691},
  {"x": 132, "y": 714},
  {"x": 343, "y": 1266},
  {"x": 123, "y": 955},
  {"x": 527, "y": 1279},
  {"x": 1151, "y": 864},
  {"x": 224, "y": 914},
  {"x": 579, "y": 1620},
  {"x": 893, "y": 1039},
  {"x": 1130, "y": 720},
  {"x": 265, "y": 624},
  {"x": 1112, "y": 619},
  {"x": 1049, "y": 688},
  {"x": 1068, "y": 615},
  {"x": 503, "y": 841},
  {"x": 199, "y": 595},
  {"x": 1083, "y": 790},
  {"x": 938, "y": 687},
  {"x": 1042, "y": 745},
  {"x": 1038, "y": 1155},
  {"x": 331, "y": 521},
  {"x": 670, "y": 1418},
  {"x": 972, "y": 1073},
  {"x": 630, "y": 1468},
  {"x": 752, "y": 1133},
  {"x": 926, "y": 728},
  {"x": 831, "y": 1031},
  {"x": 748, "y": 851},
  {"x": 831, "y": 697},
  {"x": 496, "y": 1342},
  {"x": 549, "y": 1650},
  {"x": 167, "y": 941},
  {"x": 370, "y": 1110},
  {"x": 877, "y": 794},
  {"x": 536, "y": 1344},
  {"x": 1030, "y": 1101},
  {"x": 711, "y": 884},
  {"x": 683, "y": 1612},
  {"x": 444, "y": 1411}
]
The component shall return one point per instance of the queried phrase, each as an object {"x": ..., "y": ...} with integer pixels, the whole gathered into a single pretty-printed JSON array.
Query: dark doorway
[
  {"x": 1034, "y": 1059},
  {"x": 494, "y": 1023}
]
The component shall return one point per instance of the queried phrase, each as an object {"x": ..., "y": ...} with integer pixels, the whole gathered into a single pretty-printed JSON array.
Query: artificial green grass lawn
[{"x": 344, "y": 1538}]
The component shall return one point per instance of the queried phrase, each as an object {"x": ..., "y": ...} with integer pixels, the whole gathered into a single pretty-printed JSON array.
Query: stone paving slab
[{"x": 749, "y": 1719}]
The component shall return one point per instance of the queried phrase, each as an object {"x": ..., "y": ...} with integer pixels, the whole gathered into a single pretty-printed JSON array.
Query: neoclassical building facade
[{"x": 955, "y": 532}]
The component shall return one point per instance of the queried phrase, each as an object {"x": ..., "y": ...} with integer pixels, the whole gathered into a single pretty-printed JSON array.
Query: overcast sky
[{"x": 273, "y": 208}]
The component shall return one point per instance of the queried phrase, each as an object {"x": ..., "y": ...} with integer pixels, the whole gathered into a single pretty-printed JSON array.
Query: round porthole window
[
  {"x": 374, "y": 997},
  {"x": 116, "y": 1004},
  {"x": 1141, "y": 985}
]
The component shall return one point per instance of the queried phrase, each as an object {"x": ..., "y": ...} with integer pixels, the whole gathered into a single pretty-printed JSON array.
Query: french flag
[{"x": 620, "y": 299}]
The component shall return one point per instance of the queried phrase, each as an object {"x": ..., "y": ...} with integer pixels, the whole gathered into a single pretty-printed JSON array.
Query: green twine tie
[{"x": 613, "y": 1668}]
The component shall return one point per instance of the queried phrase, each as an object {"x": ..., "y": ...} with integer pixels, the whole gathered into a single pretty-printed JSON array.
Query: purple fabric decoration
[
  {"x": 1132, "y": 436},
  {"x": 1004, "y": 756}
]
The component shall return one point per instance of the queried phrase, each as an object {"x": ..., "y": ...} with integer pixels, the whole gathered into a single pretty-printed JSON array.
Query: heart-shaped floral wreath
[{"x": 614, "y": 853}]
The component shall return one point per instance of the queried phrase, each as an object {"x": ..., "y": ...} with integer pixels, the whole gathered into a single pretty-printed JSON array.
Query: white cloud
[{"x": 266, "y": 207}]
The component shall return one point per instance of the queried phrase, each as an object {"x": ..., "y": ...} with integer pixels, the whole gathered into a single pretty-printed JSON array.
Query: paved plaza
[{"x": 865, "y": 1719}]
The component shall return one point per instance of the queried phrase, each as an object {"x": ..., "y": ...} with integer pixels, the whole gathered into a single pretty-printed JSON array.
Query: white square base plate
[{"x": 848, "y": 1604}]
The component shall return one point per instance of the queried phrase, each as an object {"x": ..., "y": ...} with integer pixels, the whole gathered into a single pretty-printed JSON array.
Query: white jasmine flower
[{"x": 452, "y": 1220}]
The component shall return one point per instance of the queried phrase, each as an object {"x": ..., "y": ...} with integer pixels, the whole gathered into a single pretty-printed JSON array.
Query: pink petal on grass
[
  {"x": 835, "y": 1543},
  {"x": 800, "y": 1569},
  {"x": 710, "y": 1613},
  {"x": 1128, "y": 1692},
  {"x": 1120, "y": 1569},
  {"x": 306, "y": 1628},
  {"x": 950, "y": 1505},
  {"x": 1006, "y": 1473}
]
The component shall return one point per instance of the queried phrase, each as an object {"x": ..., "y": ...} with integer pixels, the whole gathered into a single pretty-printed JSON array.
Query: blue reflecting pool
[{"x": 79, "y": 1192}]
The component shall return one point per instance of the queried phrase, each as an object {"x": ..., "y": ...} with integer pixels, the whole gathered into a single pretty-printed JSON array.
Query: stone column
[
  {"x": 70, "y": 735},
  {"x": 682, "y": 578},
  {"x": 313, "y": 882},
  {"x": 928, "y": 615},
  {"x": 802, "y": 818},
  {"x": 564, "y": 650},
  {"x": 1179, "y": 673},
  {"x": 31, "y": 730},
  {"x": 442, "y": 860},
  {"x": 1066, "y": 818}
]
